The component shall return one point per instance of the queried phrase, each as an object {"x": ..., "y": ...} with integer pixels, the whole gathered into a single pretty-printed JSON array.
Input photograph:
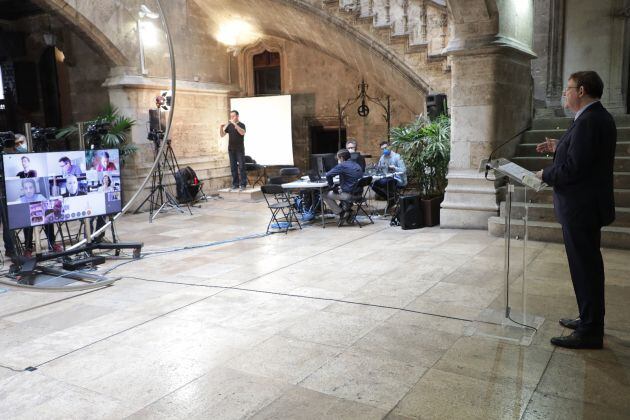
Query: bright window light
[
  {"x": 237, "y": 33},
  {"x": 149, "y": 34}
]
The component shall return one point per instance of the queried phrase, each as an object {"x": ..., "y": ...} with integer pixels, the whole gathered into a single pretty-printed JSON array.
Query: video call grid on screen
[{"x": 43, "y": 188}]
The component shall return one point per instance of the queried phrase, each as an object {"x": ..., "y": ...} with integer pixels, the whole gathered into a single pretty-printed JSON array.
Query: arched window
[{"x": 267, "y": 73}]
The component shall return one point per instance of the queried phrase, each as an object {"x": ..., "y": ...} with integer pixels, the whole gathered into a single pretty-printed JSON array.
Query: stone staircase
[
  {"x": 415, "y": 30},
  {"x": 542, "y": 225}
]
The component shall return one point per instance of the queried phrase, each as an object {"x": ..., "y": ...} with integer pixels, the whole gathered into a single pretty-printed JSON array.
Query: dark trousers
[
  {"x": 6, "y": 235},
  {"x": 587, "y": 273},
  {"x": 237, "y": 165},
  {"x": 50, "y": 235},
  {"x": 385, "y": 188}
]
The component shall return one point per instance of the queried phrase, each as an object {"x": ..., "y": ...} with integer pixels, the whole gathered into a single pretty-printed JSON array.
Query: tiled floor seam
[
  {"x": 539, "y": 382},
  {"x": 122, "y": 331}
]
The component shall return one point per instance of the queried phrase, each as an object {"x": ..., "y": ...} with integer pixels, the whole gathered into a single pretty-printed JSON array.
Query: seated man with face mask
[
  {"x": 349, "y": 174},
  {"x": 394, "y": 168}
]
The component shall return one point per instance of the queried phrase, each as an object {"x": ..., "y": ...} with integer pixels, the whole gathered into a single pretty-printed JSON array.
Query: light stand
[{"x": 160, "y": 198}]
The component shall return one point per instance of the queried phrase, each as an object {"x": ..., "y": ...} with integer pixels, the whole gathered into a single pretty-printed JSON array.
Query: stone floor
[{"x": 320, "y": 323}]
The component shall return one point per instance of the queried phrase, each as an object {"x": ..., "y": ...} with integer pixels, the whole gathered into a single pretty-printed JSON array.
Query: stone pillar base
[{"x": 469, "y": 201}]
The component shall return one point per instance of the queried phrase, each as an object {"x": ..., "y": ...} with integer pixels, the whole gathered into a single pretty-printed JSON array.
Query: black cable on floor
[{"x": 373, "y": 305}]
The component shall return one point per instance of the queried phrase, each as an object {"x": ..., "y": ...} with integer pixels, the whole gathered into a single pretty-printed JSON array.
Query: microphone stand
[{"x": 488, "y": 162}]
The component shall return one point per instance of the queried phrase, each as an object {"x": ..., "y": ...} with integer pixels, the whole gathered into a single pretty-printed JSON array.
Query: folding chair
[
  {"x": 281, "y": 206},
  {"x": 261, "y": 170},
  {"x": 358, "y": 201}
]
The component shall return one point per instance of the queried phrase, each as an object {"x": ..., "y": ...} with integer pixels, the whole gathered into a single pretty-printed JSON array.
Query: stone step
[
  {"x": 535, "y": 163},
  {"x": 529, "y": 149},
  {"x": 250, "y": 194},
  {"x": 563, "y": 123},
  {"x": 537, "y": 136},
  {"x": 544, "y": 196},
  {"x": 612, "y": 236},
  {"x": 543, "y": 212}
]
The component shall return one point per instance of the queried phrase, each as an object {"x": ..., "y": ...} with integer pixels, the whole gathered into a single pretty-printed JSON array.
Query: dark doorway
[
  {"x": 326, "y": 139},
  {"x": 267, "y": 74}
]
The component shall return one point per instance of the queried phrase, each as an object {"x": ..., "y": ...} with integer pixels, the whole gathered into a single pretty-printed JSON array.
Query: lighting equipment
[{"x": 160, "y": 198}]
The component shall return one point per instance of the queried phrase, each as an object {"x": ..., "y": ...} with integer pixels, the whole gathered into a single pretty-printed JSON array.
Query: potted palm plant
[{"x": 425, "y": 146}]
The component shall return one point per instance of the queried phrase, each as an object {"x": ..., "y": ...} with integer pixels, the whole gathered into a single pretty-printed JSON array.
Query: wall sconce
[{"x": 147, "y": 33}]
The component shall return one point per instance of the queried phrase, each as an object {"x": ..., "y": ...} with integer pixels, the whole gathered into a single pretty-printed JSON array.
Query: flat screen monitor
[
  {"x": 43, "y": 188},
  {"x": 323, "y": 162}
]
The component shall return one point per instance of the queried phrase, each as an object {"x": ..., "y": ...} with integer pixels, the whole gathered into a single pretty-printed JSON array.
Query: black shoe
[
  {"x": 571, "y": 324},
  {"x": 578, "y": 341}
]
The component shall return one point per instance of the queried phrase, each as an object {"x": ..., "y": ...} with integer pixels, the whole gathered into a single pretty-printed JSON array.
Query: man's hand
[
  {"x": 539, "y": 174},
  {"x": 548, "y": 146}
]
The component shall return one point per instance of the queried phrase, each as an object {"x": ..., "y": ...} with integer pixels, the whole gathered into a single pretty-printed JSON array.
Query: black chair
[
  {"x": 261, "y": 170},
  {"x": 281, "y": 206},
  {"x": 358, "y": 201}
]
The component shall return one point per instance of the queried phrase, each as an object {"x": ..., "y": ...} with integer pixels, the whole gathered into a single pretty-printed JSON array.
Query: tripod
[{"x": 160, "y": 198}]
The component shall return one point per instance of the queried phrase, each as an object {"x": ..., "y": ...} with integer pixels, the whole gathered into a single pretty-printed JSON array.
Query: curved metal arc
[{"x": 160, "y": 153}]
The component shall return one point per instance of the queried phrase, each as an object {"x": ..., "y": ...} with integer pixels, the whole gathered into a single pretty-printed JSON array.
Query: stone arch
[{"x": 90, "y": 33}]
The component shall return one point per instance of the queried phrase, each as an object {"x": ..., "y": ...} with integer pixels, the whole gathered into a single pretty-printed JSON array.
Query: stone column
[
  {"x": 491, "y": 100},
  {"x": 555, "y": 82}
]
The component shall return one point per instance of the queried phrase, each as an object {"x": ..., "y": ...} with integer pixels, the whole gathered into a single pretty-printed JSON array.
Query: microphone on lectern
[{"x": 488, "y": 165}]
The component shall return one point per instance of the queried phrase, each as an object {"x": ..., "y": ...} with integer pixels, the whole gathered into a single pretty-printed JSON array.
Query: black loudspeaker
[
  {"x": 410, "y": 212},
  {"x": 436, "y": 105}
]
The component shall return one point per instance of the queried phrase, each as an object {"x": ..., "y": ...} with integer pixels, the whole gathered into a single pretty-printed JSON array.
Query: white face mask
[{"x": 21, "y": 148}]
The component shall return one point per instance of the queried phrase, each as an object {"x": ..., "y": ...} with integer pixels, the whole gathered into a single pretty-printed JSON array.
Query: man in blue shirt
[
  {"x": 349, "y": 174},
  {"x": 396, "y": 173}
]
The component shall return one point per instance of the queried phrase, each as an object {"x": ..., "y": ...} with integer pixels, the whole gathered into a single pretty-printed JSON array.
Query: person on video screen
[
  {"x": 27, "y": 172},
  {"x": 29, "y": 187},
  {"x": 72, "y": 187},
  {"x": 67, "y": 168},
  {"x": 107, "y": 184},
  {"x": 103, "y": 163}
]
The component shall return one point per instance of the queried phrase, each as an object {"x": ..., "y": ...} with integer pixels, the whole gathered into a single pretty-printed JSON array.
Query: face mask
[
  {"x": 21, "y": 149},
  {"x": 386, "y": 152}
]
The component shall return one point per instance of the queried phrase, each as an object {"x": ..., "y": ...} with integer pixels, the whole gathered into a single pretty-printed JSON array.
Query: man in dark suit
[{"x": 582, "y": 180}]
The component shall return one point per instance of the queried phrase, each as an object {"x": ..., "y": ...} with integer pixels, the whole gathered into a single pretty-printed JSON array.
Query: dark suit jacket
[{"x": 582, "y": 170}]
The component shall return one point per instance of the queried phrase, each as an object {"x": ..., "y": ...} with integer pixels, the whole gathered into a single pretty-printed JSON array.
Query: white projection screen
[{"x": 267, "y": 119}]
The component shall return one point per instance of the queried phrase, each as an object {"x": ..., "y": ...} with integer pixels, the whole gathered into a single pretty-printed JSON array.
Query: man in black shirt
[
  {"x": 27, "y": 172},
  {"x": 236, "y": 149},
  {"x": 349, "y": 174}
]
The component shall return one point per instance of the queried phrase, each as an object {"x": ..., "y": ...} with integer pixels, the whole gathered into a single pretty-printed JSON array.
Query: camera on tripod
[
  {"x": 155, "y": 136},
  {"x": 41, "y": 136},
  {"x": 94, "y": 134}
]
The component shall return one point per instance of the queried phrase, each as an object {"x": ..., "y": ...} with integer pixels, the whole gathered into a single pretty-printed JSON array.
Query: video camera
[
  {"x": 155, "y": 136},
  {"x": 7, "y": 139},
  {"x": 95, "y": 132},
  {"x": 41, "y": 136}
]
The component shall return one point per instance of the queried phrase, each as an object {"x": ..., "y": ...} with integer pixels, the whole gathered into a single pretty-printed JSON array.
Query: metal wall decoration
[{"x": 363, "y": 110}]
